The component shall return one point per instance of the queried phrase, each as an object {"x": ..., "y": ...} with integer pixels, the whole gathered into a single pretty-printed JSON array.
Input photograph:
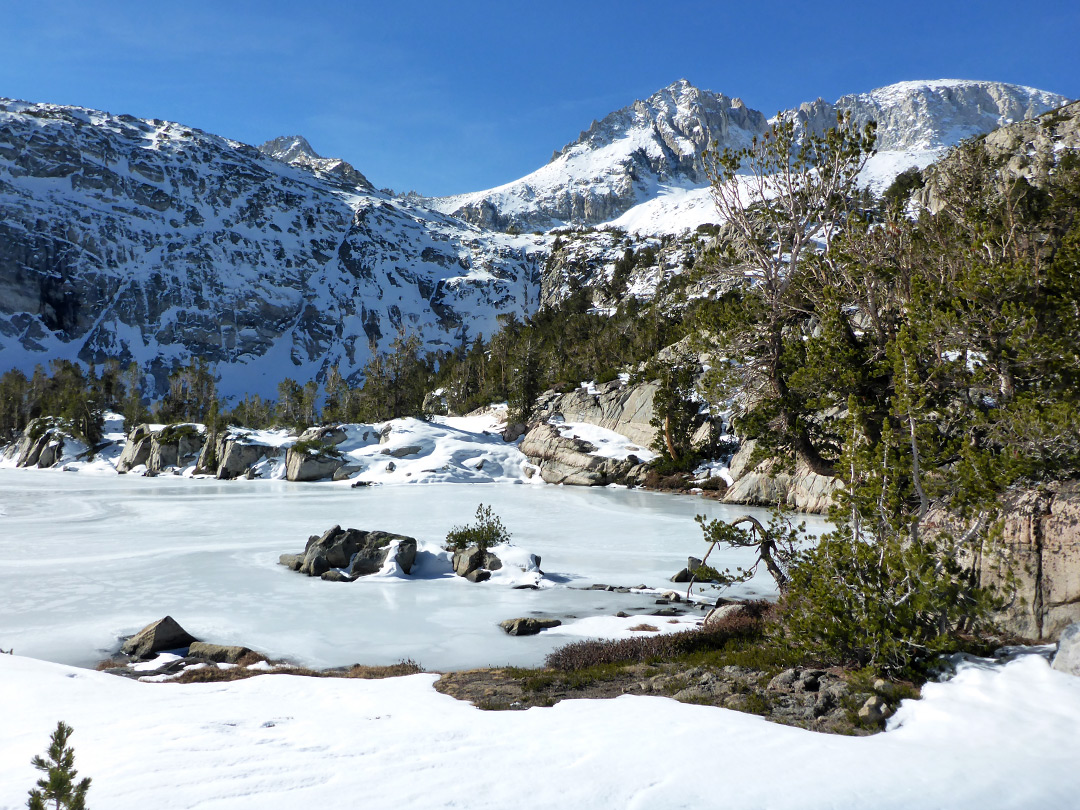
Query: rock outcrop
[
  {"x": 769, "y": 482},
  {"x": 344, "y": 554},
  {"x": 1040, "y": 569},
  {"x": 1027, "y": 150},
  {"x": 566, "y": 460},
  {"x": 41, "y": 444},
  {"x": 311, "y": 464},
  {"x": 626, "y": 409},
  {"x": 171, "y": 447},
  {"x": 233, "y": 455}
]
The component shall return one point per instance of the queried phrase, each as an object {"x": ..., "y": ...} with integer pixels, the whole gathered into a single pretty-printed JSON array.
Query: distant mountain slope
[
  {"x": 151, "y": 241},
  {"x": 640, "y": 167}
]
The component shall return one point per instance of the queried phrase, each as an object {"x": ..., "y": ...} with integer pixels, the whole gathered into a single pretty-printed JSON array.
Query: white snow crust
[{"x": 997, "y": 737}]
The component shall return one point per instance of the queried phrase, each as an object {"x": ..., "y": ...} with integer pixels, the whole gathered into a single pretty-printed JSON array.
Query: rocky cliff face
[
  {"x": 1034, "y": 564},
  {"x": 1041, "y": 538},
  {"x": 1027, "y": 150},
  {"x": 933, "y": 114},
  {"x": 150, "y": 241}
]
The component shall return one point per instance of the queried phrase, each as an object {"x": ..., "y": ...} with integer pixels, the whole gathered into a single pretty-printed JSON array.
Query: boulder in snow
[
  {"x": 527, "y": 625},
  {"x": 164, "y": 634},
  {"x": 304, "y": 466},
  {"x": 468, "y": 560},
  {"x": 360, "y": 552}
]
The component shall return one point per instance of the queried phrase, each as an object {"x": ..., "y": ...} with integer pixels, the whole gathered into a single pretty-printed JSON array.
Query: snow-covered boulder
[{"x": 572, "y": 460}]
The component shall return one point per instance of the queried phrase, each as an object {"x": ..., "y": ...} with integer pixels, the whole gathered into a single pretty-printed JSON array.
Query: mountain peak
[
  {"x": 287, "y": 148},
  {"x": 680, "y": 112},
  {"x": 295, "y": 150}
]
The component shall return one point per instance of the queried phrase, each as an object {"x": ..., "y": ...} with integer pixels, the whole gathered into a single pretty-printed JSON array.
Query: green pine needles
[
  {"x": 57, "y": 788},
  {"x": 487, "y": 531}
]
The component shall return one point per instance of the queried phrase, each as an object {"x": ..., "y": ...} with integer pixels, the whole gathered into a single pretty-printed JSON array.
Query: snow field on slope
[{"x": 1001, "y": 737}]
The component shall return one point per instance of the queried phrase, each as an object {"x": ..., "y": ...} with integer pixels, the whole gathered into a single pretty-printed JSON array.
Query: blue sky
[{"x": 450, "y": 97}]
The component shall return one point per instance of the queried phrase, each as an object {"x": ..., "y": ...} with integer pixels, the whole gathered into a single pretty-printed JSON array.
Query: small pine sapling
[
  {"x": 58, "y": 787},
  {"x": 487, "y": 531}
]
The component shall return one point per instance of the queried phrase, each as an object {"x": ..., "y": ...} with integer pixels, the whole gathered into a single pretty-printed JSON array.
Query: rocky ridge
[{"x": 929, "y": 115}]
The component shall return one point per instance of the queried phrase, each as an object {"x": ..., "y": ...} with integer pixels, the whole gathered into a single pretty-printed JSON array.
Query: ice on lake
[{"x": 85, "y": 560}]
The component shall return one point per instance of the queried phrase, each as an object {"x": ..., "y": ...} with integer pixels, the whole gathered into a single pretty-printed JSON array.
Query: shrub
[
  {"x": 488, "y": 530},
  {"x": 892, "y": 605},
  {"x": 713, "y": 484},
  {"x": 639, "y": 649},
  {"x": 172, "y": 434},
  {"x": 315, "y": 447}
]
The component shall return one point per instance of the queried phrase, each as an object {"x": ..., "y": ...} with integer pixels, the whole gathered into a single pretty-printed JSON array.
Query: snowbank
[{"x": 1002, "y": 738}]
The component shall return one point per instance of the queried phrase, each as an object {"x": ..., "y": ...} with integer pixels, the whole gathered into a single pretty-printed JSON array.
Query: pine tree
[{"x": 58, "y": 786}]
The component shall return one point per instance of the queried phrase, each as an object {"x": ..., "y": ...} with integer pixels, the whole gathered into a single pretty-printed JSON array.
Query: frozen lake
[{"x": 86, "y": 559}]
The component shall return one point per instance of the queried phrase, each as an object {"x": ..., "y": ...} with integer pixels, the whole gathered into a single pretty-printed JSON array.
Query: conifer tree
[{"x": 57, "y": 788}]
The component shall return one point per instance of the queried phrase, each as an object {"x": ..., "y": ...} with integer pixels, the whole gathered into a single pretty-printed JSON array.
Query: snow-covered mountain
[
  {"x": 617, "y": 163},
  {"x": 917, "y": 122},
  {"x": 640, "y": 167},
  {"x": 151, "y": 241}
]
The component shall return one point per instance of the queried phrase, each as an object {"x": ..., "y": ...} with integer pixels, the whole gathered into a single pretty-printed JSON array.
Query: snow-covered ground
[{"x": 996, "y": 737}]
